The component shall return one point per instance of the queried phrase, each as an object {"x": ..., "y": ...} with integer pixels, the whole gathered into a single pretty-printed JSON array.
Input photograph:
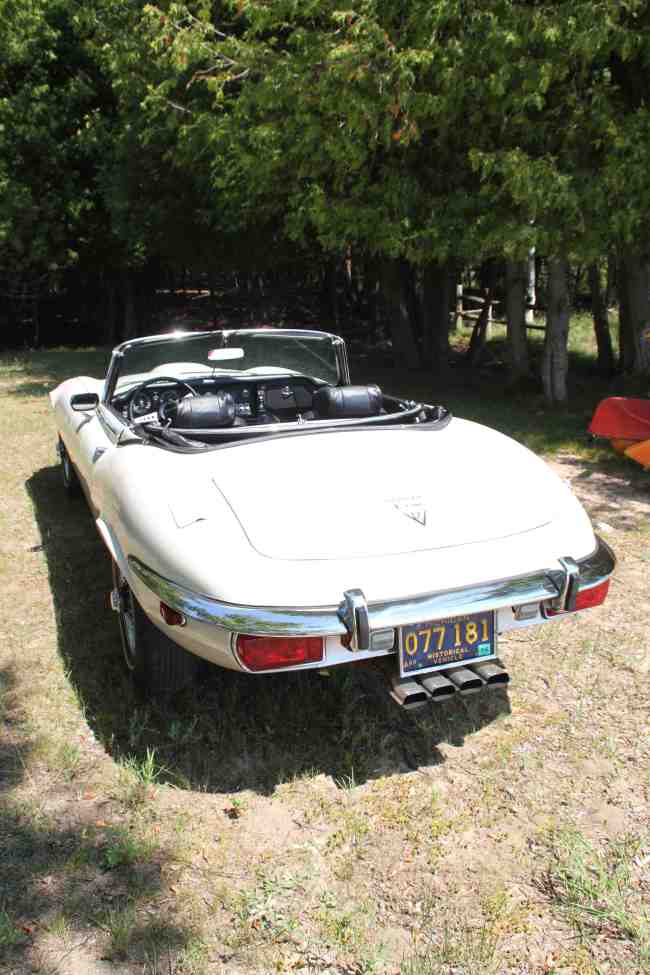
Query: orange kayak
[
  {"x": 622, "y": 418},
  {"x": 626, "y": 423},
  {"x": 640, "y": 452}
]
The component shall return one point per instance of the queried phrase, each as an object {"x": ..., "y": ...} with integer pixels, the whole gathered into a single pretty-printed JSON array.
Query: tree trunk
[
  {"x": 480, "y": 331},
  {"x": 625, "y": 342},
  {"x": 405, "y": 350},
  {"x": 555, "y": 359},
  {"x": 36, "y": 325},
  {"x": 437, "y": 283},
  {"x": 331, "y": 291},
  {"x": 458, "y": 307},
  {"x": 601, "y": 322},
  {"x": 110, "y": 316},
  {"x": 372, "y": 285},
  {"x": 611, "y": 291},
  {"x": 517, "y": 276},
  {"x": 636, "y": 317},
  {"x": 130, "y": 319},
  {"x": 411, "y": 291},
  {"x": 531, "y": 282}
]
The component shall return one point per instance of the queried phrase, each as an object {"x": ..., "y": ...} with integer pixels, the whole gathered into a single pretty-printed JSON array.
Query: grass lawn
[{"x": 304, "y": 824}]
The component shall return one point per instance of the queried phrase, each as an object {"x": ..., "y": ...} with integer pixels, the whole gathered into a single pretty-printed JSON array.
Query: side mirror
[{"x": 81, "y": 402}]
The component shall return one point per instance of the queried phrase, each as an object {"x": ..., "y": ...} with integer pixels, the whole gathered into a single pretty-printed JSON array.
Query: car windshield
[{"x": 259, "y": 352}]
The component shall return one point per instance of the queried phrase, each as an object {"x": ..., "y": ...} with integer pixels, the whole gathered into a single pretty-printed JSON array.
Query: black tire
[
  {"x": 159, "y": 667},
  {"x": 71, "y": 484}
]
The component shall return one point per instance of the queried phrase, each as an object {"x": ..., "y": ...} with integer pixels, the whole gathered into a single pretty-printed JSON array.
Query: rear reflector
[
  {"x": 269, "y": 652},
  {"x": 171, "y": 616},
  {"x": 586, "y": 598}
]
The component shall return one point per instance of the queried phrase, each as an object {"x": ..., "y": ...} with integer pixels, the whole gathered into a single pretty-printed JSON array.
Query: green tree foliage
[
  {"x": 420, "y": 129},
  {"x": 422, "y": 135},
  {"x": 425, "y": 131},
  {"x": 48, "y": 92}
]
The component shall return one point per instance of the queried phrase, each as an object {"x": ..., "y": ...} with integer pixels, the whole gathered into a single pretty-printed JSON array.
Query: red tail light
[
  {"x": 586, "y": 598},
  {"x": 269, "y": 652}
]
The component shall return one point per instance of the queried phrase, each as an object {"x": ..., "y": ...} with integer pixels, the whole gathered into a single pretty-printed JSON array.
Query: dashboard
[{"x": 282, "y": 397}]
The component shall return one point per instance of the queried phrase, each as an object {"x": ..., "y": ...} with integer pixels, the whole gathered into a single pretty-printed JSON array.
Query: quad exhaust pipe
[
  {"x": 409, "y": 694},
  {"x": 438, "y": 686},
  {"x": 466, "y": 680},
  {"x": 492, "y": 674},
  {"x": 416, "y": 692}
]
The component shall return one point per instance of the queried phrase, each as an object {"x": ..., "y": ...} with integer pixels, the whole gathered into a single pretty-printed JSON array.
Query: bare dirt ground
[{"x": 308, "y": 826}]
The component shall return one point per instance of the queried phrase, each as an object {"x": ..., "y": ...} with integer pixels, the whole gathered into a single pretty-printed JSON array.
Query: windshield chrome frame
[{"x": 112, "y": 375}]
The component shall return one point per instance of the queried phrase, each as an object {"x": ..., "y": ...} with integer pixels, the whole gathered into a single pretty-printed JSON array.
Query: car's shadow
[{"x": 231, "y": 731}]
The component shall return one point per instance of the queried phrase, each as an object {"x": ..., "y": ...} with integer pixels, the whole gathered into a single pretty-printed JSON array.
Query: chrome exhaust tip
[
  {"x": 492, "y": 673},
  {"x": 438, "y": 687},
  {"x": 408, "y": 693},
  {"x": 466, "y": 680}
]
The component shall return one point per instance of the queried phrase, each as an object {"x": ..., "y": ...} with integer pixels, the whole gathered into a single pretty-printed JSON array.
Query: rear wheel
[
  {"x": 69, "y": 477},
  {"x": 158, "y": 665}
]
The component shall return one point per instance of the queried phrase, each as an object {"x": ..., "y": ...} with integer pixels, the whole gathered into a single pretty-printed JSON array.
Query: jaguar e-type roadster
[{"x": 264, "y": 514}]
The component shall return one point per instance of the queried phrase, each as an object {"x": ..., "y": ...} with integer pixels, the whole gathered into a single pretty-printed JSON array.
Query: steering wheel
[{"x": 162, "y": 415}]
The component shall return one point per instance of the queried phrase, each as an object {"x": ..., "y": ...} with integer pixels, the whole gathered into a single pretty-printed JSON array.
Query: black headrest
[
  {"x": 338, "y": 402},
  {"x": 203, "y": 412}
]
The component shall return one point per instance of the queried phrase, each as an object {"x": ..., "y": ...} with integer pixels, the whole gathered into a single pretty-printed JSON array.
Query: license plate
[{"x": 438, "y": 643}]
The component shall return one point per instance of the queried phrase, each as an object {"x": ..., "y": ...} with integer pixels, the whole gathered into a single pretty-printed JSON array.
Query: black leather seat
[
  {"x": 205, "y": 412},
  {"x": 347, "y": 402}
]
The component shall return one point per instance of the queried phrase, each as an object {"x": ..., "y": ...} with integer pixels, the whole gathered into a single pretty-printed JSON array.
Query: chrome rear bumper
[{"x": 358, "y": 622}]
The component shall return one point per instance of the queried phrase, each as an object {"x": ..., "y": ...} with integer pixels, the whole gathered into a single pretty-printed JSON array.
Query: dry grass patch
[{"x": 604, "y": 895}]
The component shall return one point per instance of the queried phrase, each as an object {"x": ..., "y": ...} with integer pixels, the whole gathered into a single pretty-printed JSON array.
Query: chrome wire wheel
[
  {"x": 68, "y": 474},
  {"x": 66, "y": 469},
  {"x": 157, "y": 665},
  {"x": 127, "y": 621}
]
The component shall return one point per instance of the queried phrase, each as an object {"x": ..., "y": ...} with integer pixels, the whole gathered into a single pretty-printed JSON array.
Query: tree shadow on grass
[
  {"x": 63, "y": 871},
  {"x": 230, "y": 731},
  {"x": 32, "y": 388}
]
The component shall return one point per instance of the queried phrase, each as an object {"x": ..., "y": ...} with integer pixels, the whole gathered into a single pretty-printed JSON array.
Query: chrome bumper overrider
[{"x": 358, "y": 622}]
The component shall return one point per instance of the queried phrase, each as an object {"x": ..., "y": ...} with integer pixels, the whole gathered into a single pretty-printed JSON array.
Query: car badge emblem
[{"x": 413, "y": 508}]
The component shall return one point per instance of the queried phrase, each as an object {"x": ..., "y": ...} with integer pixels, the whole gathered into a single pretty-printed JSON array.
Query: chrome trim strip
[
  {"x": 255, "y": 430},
  {"x": 251, "y": 620},
  {"x": 457, "y": 602},
  {"x": 598, "y": 566},
  {"x": 178, "y": 335},
  {"x": 111, "y": 376},
  {"x": 341, "y": 352},
  {"x": 329, "y": 620}
]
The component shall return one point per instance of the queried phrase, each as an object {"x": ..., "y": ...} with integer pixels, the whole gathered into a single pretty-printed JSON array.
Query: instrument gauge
[
  {"x": 173, "y": 396},
  {"x": 141, "y": 404}
]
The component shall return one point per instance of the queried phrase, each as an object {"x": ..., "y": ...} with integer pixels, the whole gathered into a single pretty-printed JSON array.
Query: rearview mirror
[
  {"x": 216, "y": 355},
  {"x": 84, "y": 401}
]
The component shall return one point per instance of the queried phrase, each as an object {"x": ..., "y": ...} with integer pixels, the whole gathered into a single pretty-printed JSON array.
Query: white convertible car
[{"x": 264, "y": 514}]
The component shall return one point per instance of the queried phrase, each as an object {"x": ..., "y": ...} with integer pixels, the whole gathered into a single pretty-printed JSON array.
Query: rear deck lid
[{"x": 384, "y": 492}]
